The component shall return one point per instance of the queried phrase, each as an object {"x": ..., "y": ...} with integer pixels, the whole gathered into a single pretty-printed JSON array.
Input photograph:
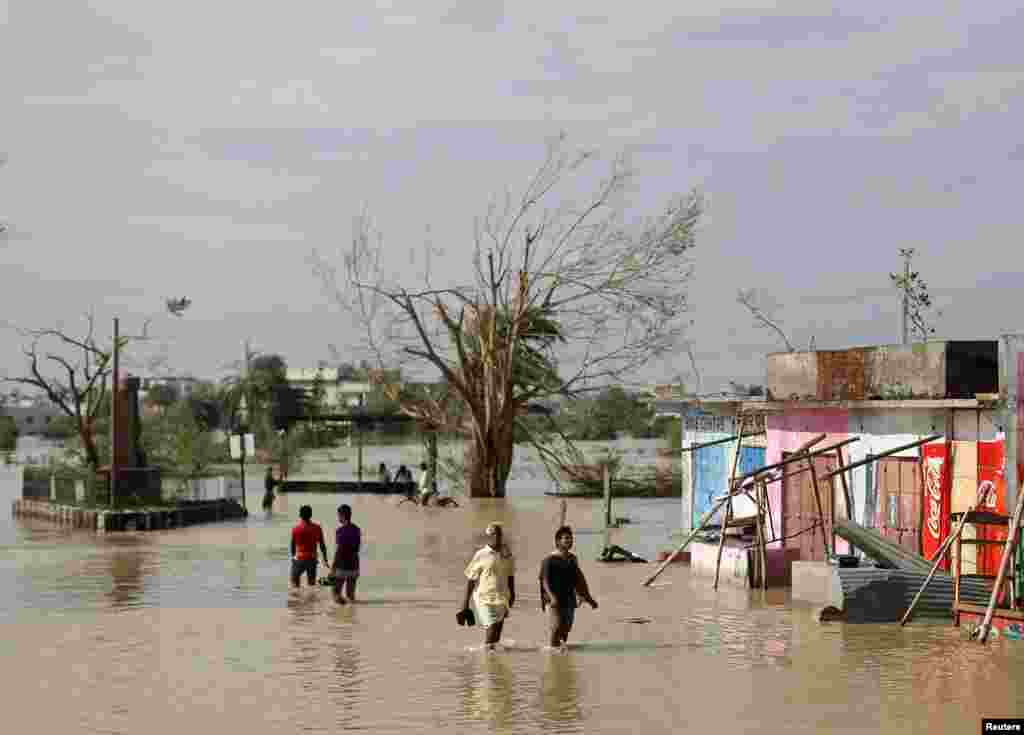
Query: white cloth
[
  {"x": 426, "y": 481},
  {"x": 490, "y": 570}
]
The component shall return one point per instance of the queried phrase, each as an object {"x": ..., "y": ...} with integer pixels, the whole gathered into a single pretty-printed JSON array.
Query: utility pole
[
  {"x": 907, "y": 254},
  {"x": 113, "y": 417}
]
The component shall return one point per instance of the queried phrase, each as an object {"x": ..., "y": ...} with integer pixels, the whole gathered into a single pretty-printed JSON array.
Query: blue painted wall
[{"x": 711, "y": 473}]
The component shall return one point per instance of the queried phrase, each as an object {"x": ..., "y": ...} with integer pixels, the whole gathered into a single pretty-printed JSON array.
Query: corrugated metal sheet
[{"x": 873, "y": 595}]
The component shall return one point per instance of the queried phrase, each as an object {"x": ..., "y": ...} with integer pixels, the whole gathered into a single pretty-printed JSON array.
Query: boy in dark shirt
[
  {"x": 348, "y": 539},
  {"x": 560, "y": 580}
]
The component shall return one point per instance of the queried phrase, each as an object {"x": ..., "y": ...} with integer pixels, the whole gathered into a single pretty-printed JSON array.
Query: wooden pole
[
  {"x": 874, "y": 457},
  {"x": 817, "y": 500},
  {"x": 717, "y": 506},
  {"x": 946, "y": 543},
  {"x": 761, "y": 512},
  {"x": 846, "y": 488},
  {"x": 1004, "y": 563},
  {"x": 114, "y": 423},
  {"x": 727, "y": 516},
  {"x": 606, "y": 476},
  {"x": 693, "y": 534}
]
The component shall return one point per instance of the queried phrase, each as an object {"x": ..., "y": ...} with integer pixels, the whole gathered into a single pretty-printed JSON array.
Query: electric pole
[{"x": 907, "y": 254}]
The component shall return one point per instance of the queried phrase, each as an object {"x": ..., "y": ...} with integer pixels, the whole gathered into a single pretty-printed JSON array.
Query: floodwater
[{"x": 196, "y": 630}]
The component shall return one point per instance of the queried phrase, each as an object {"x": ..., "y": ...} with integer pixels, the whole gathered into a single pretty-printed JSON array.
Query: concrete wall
[
  {"x": 792, "y": 375},
  {"x": 788, "y": 431},
  {"x": 917, "y": 370},
  {"x": 860, "y": 373}
]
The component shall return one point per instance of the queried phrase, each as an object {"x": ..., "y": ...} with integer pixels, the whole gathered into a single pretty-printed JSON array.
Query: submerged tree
[{"x": 562, "y": 298}]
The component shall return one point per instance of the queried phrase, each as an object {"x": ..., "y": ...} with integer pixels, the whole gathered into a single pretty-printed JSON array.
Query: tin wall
[
  {"x": 878, "y": 431},
  {"x": 926, "y": 370}
]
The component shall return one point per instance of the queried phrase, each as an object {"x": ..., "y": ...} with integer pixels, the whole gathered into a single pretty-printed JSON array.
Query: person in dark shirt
[
  {"x": 268, "y": 486},
  {"x": 306, "y": 536},
  {"x": 348, "y": 538},
  {"x": 560, "y": 580}
]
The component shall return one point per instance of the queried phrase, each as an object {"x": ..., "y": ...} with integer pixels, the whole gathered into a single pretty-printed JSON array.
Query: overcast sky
[{"x": 204, "y": 149}]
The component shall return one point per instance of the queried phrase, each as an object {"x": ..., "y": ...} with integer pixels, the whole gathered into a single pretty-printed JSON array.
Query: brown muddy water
[{"x": 196, "y": 631}]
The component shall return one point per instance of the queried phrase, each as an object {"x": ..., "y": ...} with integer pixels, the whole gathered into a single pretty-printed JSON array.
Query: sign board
[{"x": 236, "y": 450}]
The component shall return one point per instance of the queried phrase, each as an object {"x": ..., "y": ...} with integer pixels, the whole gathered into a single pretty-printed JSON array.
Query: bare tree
[
  {"x": 72, "y": 372},
  {"x": 763, "y": 314},
  {"x": 561, "y": 298}
]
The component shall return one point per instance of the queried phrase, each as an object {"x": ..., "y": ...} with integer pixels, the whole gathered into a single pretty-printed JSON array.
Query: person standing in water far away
[
  {"x": 268, "y": 486},
  {"x": 427, "y": 488},
  {"x": 306, "y": 535},
  {"x": 383, "y": 475},
  {"x": 348, "y": 539},
  {"x": 561, "y": 579},
  {"x": 491, "y": 584}
]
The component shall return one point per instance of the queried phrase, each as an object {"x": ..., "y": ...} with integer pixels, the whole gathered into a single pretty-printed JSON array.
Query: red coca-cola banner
[
  {"x": 936, "y": 501},
  {"x": 991, "y": 465}
]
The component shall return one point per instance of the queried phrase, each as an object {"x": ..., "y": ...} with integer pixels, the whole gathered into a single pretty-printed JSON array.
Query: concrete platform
[
  {"x": 817, "y": 583},
  {"x": 186, "y": 513}
]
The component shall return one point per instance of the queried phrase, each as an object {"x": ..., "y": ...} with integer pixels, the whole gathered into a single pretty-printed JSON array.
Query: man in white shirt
[
  {"x": 491, "y": 584},
  {"x": 427, "y": 484}
]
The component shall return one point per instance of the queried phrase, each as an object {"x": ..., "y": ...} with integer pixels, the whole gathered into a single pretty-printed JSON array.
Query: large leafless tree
[
  {"x": 561, "y": 297},
  {"x": 72, "y": 368}
]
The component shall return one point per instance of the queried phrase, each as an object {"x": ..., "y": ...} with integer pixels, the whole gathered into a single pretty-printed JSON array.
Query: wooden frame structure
[
  {"x": 760, "y": 479},
  {"x": 1005, "y": 573}
]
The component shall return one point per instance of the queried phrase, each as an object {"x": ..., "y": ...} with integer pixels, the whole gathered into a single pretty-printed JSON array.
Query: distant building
[
  {"x": 182, "y": 385},
  {"x": 31, "y": 417},
  {"x": 341, "y": 394}
]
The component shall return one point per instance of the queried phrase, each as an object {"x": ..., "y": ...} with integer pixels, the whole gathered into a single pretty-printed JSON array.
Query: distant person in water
[
  {"x": 560, "y": 580},
  {"x": 383, "y": 475},
  {"x": 428, "y": 487},
  {"x": 306, "y": 536},
  {"x": 403, "y": 475},
  {"x": 348, "y": 539},
  {"x": 491, "y": 584},
  {"x": 268, "y": 485}
]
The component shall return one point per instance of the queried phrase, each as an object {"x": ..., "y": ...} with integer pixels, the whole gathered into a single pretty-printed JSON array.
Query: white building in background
[
  {"x": 338, "y": 394},
  {"x": 182, "y": 385}
]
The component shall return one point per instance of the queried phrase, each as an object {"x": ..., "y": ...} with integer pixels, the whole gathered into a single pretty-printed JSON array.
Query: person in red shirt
[{"x": 305, "y": 537}]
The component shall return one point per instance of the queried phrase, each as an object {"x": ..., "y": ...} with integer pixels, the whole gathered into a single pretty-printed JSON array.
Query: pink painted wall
[{"x": 787, "y": 431}]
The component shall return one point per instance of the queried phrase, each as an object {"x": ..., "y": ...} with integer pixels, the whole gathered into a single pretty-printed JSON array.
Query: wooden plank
[
  {"x": 728, "y": 508},
  {"x": 946, "y": 543},
  {"x": 1004, "y": 563},
  {"x": 693, "y": 534}
]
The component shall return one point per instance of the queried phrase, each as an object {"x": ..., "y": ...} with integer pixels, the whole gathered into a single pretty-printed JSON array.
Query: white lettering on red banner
[{"x": 933, "y": 491}]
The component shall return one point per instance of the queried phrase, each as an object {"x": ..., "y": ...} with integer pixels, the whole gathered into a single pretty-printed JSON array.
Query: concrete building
[
  {"x": 31, "y": 417},
  {"x": 885, "y": 397}
]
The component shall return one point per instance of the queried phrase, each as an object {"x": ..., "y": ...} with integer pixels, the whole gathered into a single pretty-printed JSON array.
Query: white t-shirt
[
  {"x": 426, "y": 481},
  {"x": 491, "y": 570}
]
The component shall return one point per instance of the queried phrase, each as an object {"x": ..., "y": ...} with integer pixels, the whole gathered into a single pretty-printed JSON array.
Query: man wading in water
[
  {"x": 491, "y": 584},
  {"x": 305, "y": 537},
  {"x": 560, "y": 579},
  {"x": 348, "y": 538},
  {"x": 268, "y": 487}
]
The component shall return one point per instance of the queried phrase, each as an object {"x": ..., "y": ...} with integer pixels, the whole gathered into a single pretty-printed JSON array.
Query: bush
[{"x": 8, "y": 434}]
